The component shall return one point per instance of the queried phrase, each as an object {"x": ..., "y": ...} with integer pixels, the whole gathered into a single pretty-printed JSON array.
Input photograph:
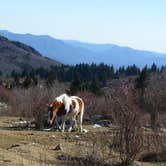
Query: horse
[{"x": 66, "y": 106}]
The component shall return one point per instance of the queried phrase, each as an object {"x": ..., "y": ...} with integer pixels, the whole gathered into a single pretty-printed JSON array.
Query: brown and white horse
[{"x": 66, "y": 106}]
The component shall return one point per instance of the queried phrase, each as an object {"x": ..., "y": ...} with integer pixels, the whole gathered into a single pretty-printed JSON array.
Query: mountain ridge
[
  {"x": 74, "y": 52},
  {"x": 17, "y": 56}
]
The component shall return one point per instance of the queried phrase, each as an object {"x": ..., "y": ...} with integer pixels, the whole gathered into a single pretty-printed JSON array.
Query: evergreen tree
[
  {"x": 42, "y": 72},
  {"x": 141, "y": 81},
  {"x": 132, "y": 70},
  {"x": 76, "y": 84},
  {"x": 27, "y": 82},
  {"x": 35, "y": 81},
  {"x": 14, "y": 74},
  {"x": 162, "y": 68},
  {"x": 51, "y": 78},
  {"x": 24, "y": 73},
  {"x": 96, "y": 88},
  {"x": 153, "y": 68}
]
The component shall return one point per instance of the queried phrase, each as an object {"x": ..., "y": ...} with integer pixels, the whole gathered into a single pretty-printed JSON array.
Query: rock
[
  {"x": 96, "y": 126},
  {"x": 24, "y": 143},
  {"x": 52, "y": 136},
  {"x": 58, "y": 147},
  {"x": 23, "y": 124},
  {"x": 97, "y": 118},
  {"x": 62, "y": 157},
  {"x": 104, "y": 123},
  {"x": 77, "y": 136},
  {"x": 163, "y": 130},
  {"x": 30, "y": 133},
  {"x": 85, "y": 131},
  {"x": 7, "y": 161},
  {"x": 13, "y": 146},
  {"x": 33, "y": 143}
]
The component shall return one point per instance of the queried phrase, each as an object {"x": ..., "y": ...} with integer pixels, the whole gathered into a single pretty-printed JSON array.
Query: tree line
[{"x": 81, "y": 77}]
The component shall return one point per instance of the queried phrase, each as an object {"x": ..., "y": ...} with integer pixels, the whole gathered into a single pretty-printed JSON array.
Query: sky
[{"x": 139, "y": 24}]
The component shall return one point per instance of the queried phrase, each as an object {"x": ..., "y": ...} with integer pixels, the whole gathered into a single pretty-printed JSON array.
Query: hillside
[
  {"x": 18, "y": 56},
  {"x": 75, "y": 52}
]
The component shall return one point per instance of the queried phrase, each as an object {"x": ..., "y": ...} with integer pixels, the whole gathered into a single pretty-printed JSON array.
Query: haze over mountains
[{"x": 74, "y": 52}]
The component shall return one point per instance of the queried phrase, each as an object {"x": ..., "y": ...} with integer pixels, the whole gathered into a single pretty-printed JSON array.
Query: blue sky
[{"x": 139, "y": 24}]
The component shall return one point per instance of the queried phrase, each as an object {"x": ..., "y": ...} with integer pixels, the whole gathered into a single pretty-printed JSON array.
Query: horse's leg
[
  {"x": 63, "y": 123},
  {"x": 75, "y": 123},
  {"x": 72, "y": 123},
  {"x": 57, "y": 122},
  {"x": 81, "y": 119}
]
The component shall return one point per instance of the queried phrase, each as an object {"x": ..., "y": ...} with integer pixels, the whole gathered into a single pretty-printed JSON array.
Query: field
[
  {"x": 20, "y": 147},
  {"x": 38, "y": 147}
]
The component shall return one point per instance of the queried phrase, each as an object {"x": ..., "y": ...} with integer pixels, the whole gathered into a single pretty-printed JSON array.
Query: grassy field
[{"x": 38, "y": 148}]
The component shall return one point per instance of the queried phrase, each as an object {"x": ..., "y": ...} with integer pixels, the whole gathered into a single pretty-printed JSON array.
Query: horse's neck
[
  {"x": 67, "y": 102},
  {"x": 64, "y": 99}
]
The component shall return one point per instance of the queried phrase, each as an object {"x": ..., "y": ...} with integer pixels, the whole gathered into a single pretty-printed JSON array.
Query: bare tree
[
  {"x": 128, "y": 118},
  {"x": 154, "y": 98}
]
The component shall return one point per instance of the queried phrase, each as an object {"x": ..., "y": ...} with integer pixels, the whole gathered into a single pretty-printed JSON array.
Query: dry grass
[
  {"x": 36, "y": 147},
  {"x": 27, "y": 148}
]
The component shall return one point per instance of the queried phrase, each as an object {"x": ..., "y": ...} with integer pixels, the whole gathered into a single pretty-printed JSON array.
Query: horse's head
[
  {"x": 53, "y": 109},
  {"x": 50, "y": 112}
]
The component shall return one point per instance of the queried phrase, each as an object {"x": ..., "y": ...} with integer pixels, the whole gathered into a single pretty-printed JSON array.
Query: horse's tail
[{"x": 81, "y": 116}]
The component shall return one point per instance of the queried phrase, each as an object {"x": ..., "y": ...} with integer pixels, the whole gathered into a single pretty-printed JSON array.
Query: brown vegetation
[{"x": 128, "y": 138}]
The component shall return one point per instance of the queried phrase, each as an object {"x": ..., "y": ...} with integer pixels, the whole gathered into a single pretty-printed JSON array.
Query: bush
[
  {"x": 128, "y": 139},
  {"x": 32, "y": 102}
]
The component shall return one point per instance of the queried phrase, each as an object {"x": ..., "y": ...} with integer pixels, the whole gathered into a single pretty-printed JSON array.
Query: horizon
[
  {"x": 87, "y": 42},
  {"x": 138, "y": 25}
]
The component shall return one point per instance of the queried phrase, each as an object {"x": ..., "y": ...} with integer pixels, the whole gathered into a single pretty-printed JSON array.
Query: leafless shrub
[
  {"x": 127, "y": 117},
  {"x": 31, "y": 102},
  {"x": 154, "y": 99},
  {"x": 98, "y": 152},
  {"x": 95, "y": 105},
  {"x": 5, "y": 94}
]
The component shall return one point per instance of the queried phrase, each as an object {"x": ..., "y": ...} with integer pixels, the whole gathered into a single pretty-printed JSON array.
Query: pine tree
[
  {"x": 76, "y": 84},
  {"x": 51, "y": 78},
  {"x": 141, "y": 81},
  {"x": 95, "y": 87},
  {"x": 153, "y": 68},
  {"x": 27, "y": 82}
]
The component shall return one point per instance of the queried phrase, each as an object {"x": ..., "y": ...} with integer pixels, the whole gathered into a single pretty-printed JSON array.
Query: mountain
[
  {"x": 52, "y": 48},
  {"x": 75, "y": 52},
  {"x": 119, "y": 56},
  {"x": 18, "y": 56}
]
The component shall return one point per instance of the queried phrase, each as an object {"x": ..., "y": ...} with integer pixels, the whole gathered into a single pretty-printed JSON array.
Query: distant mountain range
[
  {"x": 74, "y": 52},
  {"x": 18, "y": 56}
]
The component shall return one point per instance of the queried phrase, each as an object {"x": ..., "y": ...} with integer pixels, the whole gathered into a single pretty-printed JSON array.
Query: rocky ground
[{"x": 27, "y": 147}]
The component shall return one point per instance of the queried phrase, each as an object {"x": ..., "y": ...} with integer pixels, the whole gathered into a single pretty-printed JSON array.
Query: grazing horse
[{"x": 64, "y": 106}]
